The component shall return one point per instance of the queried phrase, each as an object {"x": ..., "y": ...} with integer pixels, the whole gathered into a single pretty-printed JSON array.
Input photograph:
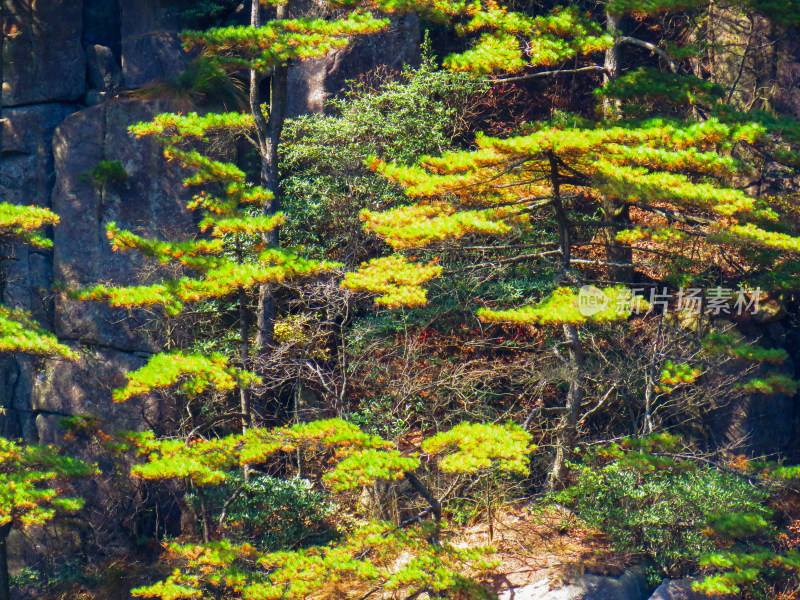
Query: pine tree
[
  {"x": 30, "y": 491},
  {"x": 678, "y": 174},
  {"x": 267, "y": 50},
  {"x": 225, "y": 258},
  {"x": 369, "y": 555},
  {"x": 18, "y": 333}
]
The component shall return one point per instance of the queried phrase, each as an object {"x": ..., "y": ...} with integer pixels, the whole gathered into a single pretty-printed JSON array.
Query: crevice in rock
[
  {"x": 101, "y": 346},
  {"x": 65, "y": 102}
]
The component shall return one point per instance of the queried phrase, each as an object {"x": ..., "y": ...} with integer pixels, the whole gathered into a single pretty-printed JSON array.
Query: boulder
[
  {"x": 102, "y": 70},
  {"x": 681, "y": 589},
  {"x": 149, "y": 199},
  {"x": 151, "y": 46},
  {"x": 84, "y": 387},
  {"x": 631, "y": 585},
  {"x": 43, "y": 60}
]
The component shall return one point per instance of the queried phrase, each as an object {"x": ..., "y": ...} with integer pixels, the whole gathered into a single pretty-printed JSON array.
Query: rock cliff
[{"x": 67, "y": 65}]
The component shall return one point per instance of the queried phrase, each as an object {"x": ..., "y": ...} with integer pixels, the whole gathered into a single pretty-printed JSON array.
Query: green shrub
[
  {"x": 325, "y": 179},
  {"x": 664, "y": 509},
  {"x": 273, "y": 513},
  {"x": 106, "y": 171}
]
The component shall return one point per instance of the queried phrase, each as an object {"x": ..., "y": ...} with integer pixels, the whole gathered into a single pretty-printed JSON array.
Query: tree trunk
[
  {"x": 268, "y": 132},
  {"x": 5, "y": 584},
  {"x": 566, "y": 432},
  {"x": 614, "y": 210},
  {"x": 244, "y": 356}
]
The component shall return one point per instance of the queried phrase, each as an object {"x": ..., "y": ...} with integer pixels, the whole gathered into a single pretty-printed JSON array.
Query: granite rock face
[
  {"x": 312, "y": 82},
  {"x": 631, "y": 585},
  {"x": 27, "y": 176},
  {"x": 150, "y": 43},
  {"x": 149, "y": 200},
  {"x": 43, "y": 60},
  {"x": 680, "y": 589}
]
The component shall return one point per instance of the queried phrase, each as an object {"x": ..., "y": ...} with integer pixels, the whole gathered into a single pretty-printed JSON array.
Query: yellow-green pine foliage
[
  {"x": 395, "y": 279},
  {"x": 564, "y": 306},
  {"x": 279, "y": 41},
  {"x": 18, "y": 333},
  {"x": 681, "y": 166},
  {"x": 511, "y": 41},
  {"x": 735, "y": 346},
  {"x": 398, "y": 562},
  {"x": 227, "y": 220},
  {"x": 195, "y": 373},
  {"x": 471, "y": 447},
  {"x": 214, "y": 261},
  {"x": 370, "y": 554},
  {"x": 356, "y": 458},
  {"x": 29, "y": 477},
  {"x": 21, "y": 223}
]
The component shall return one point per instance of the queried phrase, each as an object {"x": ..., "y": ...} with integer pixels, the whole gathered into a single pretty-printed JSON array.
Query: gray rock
[
  {"x": 150, "y": 200},
  {"x": 43, "y": 59},
  {"x": 101, "y": 25},
  {"x": 680, "y": 589},
  {"x": 151, "y": 47},
  {"x": 26, "y": 177},
  {"x": 312, "y": 82},
  {"x": 103, "y": 72},
  {"x": 84, "y": 387},
  {"x": 631, "y": 585}
]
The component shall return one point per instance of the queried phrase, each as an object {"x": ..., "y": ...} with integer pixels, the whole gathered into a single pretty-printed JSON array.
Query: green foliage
[
  {"x": 470, "y": 447},
  {"x": 656, "y": 90},
  {"x": 20, "y": 223},
  {"x": 367, "y": 554},
  {"x": 357, "y": 458},
  {"x": 195, "y": 373},
  {"x": 675, "y": 512},
  {"x": 106, "y": 172},
  {"x": 18, "y": 333},
  {"x": 550, "y": 39},
  {"x": 205, "y": 13},
  {"x": 325, "y": 182},
  {"x": 29, "y": 483},
  {"x": 203, "y": 83},
  {"x": 399, "y": 561},
  {"x": 273, "y": 513}
]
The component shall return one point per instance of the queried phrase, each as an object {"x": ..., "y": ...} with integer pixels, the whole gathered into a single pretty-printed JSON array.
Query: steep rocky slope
[{"x": 67, "y": 67}]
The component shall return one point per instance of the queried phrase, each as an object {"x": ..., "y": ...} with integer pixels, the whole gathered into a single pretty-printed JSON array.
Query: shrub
[
  {"x": 666, "y": 510},
  {"x": 273, "y": 513}
]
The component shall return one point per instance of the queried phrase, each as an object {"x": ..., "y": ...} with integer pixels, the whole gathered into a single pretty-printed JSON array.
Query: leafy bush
[
  {"x": 106, "y": 171},
  {"x": 273, "y": 513},
  {"x": 664, "y": 509},
  {"x": 325, "y": 178}
]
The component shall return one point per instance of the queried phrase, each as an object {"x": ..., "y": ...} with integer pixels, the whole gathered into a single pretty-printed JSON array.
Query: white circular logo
[{"x": 591, "y": 300}]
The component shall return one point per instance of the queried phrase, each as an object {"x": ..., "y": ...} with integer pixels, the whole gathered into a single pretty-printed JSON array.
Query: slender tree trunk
[
  {"x": 204, "y": 518},
  {"x": 566, "y": 432},
  {"x": 268, "y": 131},
  {"x": 615, "y": 211},
  {"x": 5, "y": 584}
]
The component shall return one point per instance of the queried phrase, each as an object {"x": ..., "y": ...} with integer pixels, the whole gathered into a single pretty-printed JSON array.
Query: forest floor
[{"x": 532, "y": 545}]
